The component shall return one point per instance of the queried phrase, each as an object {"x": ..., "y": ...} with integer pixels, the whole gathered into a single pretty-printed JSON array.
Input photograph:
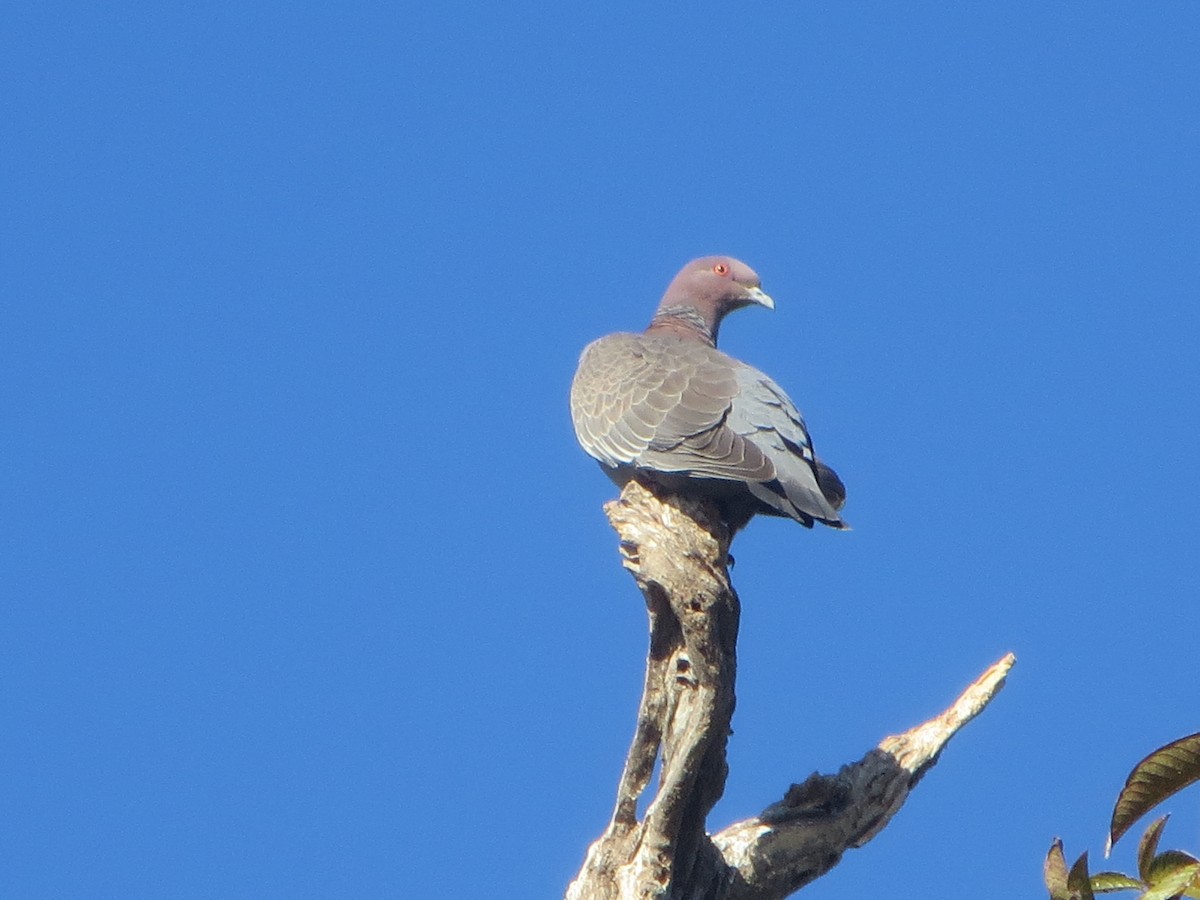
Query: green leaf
[
  {"x": 1107, "y": 882},
  {"x": 1171, "y": 873},
  {"x": 1054, "y": 872},
  {"x": 1148, "y": 846},
  {"x": 1078, "y": 882},
  {"x": 1164, "y": 772}
]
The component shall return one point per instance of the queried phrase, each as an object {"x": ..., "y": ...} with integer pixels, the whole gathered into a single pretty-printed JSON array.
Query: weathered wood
[
  {"x": 804, "y": 835},
  {"x": 677, "y": 550}
]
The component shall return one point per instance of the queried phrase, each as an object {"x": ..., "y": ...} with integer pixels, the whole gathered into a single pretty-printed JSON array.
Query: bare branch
[
  {"x": 676, "y": 548},
  {"x": 801, "y": 837}
]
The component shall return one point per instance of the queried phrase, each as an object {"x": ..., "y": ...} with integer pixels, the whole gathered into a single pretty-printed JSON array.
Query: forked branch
[{"x": 677, "y": 551}]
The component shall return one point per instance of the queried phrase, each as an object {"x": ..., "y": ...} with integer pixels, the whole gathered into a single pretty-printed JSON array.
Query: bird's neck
[{"x": 686, "y": 322}]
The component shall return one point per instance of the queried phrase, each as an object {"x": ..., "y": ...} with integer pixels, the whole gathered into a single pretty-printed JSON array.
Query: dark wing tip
[{"x": 831, "y": 486}]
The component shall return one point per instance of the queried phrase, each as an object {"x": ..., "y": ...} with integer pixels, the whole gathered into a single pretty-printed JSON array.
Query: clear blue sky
[{"x": 306, "y": 587}]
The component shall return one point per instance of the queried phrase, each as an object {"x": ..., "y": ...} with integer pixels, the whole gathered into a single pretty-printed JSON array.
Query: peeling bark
[{"x": 677, "y": 550}]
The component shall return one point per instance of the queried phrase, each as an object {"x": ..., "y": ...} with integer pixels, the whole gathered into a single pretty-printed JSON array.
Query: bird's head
[{"x": 705, "y": 291}]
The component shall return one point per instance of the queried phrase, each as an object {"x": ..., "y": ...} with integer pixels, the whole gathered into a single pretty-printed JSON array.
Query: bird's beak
[{"x": 757, "y": 295}]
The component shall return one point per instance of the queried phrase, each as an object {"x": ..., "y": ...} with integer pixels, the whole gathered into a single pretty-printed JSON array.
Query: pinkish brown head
[{"x": 703, "y": 293}]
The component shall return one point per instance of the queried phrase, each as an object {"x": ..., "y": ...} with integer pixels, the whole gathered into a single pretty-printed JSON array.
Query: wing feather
[
  {"x": 666, "y": 405},
  {"x": 765, "y": 415}
]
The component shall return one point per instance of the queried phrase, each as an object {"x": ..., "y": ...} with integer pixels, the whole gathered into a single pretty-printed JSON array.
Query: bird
[{"x": 667, "y": 407}]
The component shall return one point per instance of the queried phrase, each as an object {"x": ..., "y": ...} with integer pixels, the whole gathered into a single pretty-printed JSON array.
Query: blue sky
[{"x": 306, "y": 587}]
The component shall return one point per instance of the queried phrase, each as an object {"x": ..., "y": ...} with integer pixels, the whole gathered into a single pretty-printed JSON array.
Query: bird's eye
[{"x": 721, "y": 269}]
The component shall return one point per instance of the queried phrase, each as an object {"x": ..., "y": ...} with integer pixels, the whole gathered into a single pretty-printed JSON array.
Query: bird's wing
[
  {"x": 766, "y": 417},
  {"x": 659, "y": 403}
]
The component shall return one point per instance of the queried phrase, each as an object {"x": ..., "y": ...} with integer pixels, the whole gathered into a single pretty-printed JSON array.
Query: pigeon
[{"x": 667, "y": 407}]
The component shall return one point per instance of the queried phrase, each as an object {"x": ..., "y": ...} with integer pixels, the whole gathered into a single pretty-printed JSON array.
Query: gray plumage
[{"x": 667, "y": 406}]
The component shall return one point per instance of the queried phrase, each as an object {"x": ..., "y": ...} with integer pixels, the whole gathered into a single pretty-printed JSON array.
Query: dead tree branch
[{"x": 677, "y": 551}]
